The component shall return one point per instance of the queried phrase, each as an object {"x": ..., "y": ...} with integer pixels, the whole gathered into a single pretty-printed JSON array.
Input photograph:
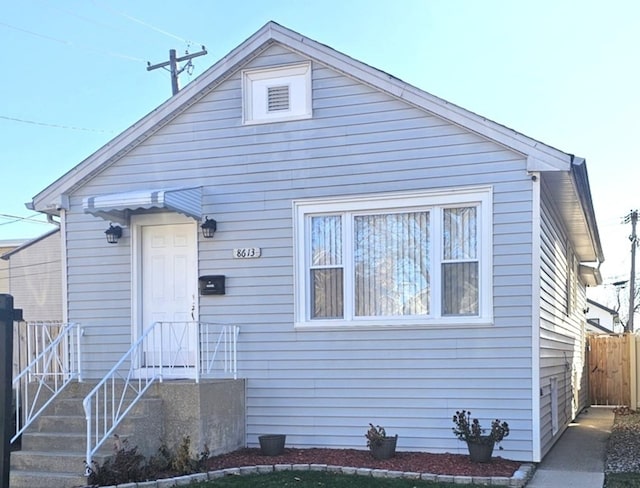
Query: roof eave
[
  {"x": 53, "y": 197},
  {"x": 539, "y": 156},
  {"x": 571, "y": 196}
]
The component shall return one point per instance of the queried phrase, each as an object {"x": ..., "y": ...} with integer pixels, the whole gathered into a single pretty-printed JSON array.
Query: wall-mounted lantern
[
  {"x": 208, "y": 228},
  {"x": 113, "y": 234}
]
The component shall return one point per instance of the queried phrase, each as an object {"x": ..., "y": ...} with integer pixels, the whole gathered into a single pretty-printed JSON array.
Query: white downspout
[
  {"x": 536, "y": 229},
  {"x": 63, "y": 268}
]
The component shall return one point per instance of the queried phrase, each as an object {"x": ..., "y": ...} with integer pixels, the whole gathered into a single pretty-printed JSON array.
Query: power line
[
  {"x": 71, "y": 44},
  {"x": 17, "y": 218},
  {"x": 51, "y": 5},
  {"x": 57, "y": 126},
  {"x": 146, "y": 24},
  {"x": 31, "y": 33},
  {"x": 34, "y": 265}
]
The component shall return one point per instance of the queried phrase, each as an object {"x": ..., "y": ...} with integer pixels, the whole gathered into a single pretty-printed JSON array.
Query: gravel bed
[{"x": 623, "y": 449}]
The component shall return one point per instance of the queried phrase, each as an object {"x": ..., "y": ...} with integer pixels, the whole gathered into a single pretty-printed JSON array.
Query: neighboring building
[
  {"x": 6, "y": 246},
  {"x": 30, "y": 271},
  {"x": 601, "y": 319},
  {"x": 32, "y": 275},
  {"x": 390, "y": 257}
]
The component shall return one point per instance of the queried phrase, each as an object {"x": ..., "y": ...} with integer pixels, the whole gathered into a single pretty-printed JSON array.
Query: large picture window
[{"x": 400, "y": 259}]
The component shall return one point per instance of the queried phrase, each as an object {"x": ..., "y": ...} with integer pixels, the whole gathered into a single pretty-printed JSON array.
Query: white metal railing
[
  {"x": 193, "y": 350},
  {"x": 55, "y": 351}
]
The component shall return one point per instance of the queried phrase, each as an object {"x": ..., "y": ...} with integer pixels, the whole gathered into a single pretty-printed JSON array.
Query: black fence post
[{"x": 6, "y": 389}]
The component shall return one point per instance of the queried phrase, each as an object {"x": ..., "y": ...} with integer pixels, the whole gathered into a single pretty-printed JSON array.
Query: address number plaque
[{"x": 246, "y": 252}]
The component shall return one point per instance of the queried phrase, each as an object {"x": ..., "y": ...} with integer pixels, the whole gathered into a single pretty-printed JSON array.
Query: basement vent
[{"x": 278, "y": 98}]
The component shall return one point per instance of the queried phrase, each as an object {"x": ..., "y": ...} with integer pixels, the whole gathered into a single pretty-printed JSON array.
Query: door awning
[{"x": 119, "y": 207}]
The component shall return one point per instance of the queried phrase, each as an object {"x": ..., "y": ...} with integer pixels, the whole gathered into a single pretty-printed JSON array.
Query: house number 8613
[{"x": 246, "y": 252}]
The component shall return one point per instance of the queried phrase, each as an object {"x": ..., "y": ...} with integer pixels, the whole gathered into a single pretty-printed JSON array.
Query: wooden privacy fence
[{"x": 613, "y": 369}]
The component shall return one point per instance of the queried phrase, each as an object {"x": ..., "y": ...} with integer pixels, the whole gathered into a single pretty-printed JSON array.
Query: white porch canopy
[{"x": 118, "y": 207}]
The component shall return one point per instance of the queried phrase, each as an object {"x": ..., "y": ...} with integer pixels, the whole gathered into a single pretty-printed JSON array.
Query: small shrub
[
  {"x": 128, "y": 465},
  {"x": 469, "y": 430},
  {"x": 374, "y": 435},
  {"x": 125, "y": 466},
  {"x": 182, "y": 462}
]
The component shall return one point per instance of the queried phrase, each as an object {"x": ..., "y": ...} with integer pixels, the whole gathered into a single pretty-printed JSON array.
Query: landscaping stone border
[{"x": 518, "y": 480}]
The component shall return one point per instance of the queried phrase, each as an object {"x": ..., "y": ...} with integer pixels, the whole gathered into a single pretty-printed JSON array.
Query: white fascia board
[
  {"x": 540, "y": 164},
  {"x": 150, "y": 123},
  {"x": 253, "y": 46},
  {"x": 549, "y": 157}
]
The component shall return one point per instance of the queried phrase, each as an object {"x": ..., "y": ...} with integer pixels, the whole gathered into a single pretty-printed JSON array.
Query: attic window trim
[{"x": 263, "y": 93}]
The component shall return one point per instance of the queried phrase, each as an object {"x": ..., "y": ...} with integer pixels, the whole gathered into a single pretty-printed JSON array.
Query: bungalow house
[{"x": 388, "y": 257}]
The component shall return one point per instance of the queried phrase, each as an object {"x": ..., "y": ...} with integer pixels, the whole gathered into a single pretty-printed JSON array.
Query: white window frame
[
  {"x": 255, "y": 87},
  {"x": 434, "y": 201}
]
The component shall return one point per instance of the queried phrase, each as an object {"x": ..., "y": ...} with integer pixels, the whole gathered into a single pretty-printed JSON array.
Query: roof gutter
[
  {"x": 52, "y": 221},
  {"x": 580, "y": 178}
]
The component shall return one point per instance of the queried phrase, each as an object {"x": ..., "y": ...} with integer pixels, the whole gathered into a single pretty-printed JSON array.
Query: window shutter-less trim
[
  {"x": 412, "y": 259},
  {"x": 276, "y": 94},
  {"x": 278, "y": 98}
]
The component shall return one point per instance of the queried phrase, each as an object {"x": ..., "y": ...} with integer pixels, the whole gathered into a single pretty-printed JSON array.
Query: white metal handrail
[
  {"x": 165, "y": 350},
  {"x": 214, "y": 337},
  {"x": 56, "y": 347}
]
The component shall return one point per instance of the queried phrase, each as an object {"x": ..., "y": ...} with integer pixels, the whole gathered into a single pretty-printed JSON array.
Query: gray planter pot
[
  {"x": 272, "y": 444},
  {"x": 481, "y": 451},
  {"x": 385, "y": 449}
]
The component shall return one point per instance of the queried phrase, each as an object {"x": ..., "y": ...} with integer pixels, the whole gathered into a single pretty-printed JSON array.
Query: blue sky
[{"x": 564, "y": 72}]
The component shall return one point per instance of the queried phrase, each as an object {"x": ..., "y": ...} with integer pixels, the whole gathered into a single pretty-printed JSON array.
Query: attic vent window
[
  {"x": 276, "y": 94},
  {"x": 278, "y": 98}
]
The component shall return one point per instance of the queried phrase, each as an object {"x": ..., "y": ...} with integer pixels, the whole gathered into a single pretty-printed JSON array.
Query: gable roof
[
  {"x": 602, "y": 307},
  {"x": 29, "y": 243},
  {"x": 566, "y": 174}
]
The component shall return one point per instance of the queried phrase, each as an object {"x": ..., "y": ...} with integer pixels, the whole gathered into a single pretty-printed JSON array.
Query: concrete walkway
[{"x": 577, "y": 459}]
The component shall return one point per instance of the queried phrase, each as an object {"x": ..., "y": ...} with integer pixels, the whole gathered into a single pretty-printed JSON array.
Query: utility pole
[
  {"x": 173, "y": 66},
  {"x": 632, "y": 218}
]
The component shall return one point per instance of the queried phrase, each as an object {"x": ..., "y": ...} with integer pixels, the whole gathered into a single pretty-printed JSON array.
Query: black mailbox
[{"x": 212, "y": 285}]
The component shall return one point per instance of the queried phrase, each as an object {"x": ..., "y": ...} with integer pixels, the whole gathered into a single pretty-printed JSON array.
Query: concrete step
[
  {"x": 70, "y": 420},
  {"x": 66, "y": 407},
  {"x": 39, "y": 479},
  {"x": 48, "y": 462},
  {"x": 54, "y": 447},
  {"x": 60, "y": 441},
  {"x": 55, "y": 424},
  {"x": 63, "y": 442}
]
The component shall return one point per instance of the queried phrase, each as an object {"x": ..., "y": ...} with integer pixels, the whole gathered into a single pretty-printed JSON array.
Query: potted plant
[
  {"x": 479, "y": 442},
  {"x": 379, "y": 443}
]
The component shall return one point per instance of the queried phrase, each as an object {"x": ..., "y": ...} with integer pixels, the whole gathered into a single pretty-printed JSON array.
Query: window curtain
[
  {"x": 460, "y": 261},
  {"x": 326, "y": 267},
  {"x": 391, "y": 264}
]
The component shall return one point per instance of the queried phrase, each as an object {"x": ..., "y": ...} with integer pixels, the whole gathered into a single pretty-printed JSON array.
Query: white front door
[{"x": 167, "y": 283}]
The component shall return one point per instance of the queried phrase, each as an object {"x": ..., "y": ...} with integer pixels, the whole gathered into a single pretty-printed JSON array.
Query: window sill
[
  {"x": 442, "y": 323},
  {"x": 274, "y": 119}
]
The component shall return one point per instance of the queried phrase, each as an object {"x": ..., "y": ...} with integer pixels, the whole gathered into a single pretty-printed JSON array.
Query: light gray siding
[
  {"x": 562, "y": 329},
  {"x": 322, "y": 388}
]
